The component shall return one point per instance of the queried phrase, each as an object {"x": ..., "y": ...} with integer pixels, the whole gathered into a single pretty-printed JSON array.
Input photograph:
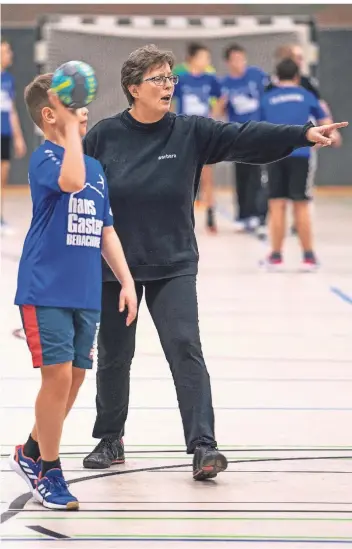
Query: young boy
[
  {"x": 242, "y": 89},
  {"x": 197, "y": 93},
  {"x": 291, "y": 178},
  {"x": 59, "y": 281}
]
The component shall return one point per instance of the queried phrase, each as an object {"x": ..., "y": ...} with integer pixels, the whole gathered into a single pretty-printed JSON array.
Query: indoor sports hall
[{"x": 277, "y": 345}]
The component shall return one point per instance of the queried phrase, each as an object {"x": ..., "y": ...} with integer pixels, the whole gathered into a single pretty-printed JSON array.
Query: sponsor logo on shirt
[
  {"x": 83, "y": 229},
  {"x": 284, "y": 98},
  {"x": 167, "y": 156}
]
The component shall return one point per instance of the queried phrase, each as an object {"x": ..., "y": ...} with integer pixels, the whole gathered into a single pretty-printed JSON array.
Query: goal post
[{"x": 105, "y": 42}]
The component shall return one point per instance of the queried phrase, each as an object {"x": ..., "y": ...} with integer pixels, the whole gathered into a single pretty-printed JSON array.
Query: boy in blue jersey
[
  {"x": 60, "y": 281},
  {"x": 242, "y": 89},
  {"x": 291, "y": 178},
  {"x": 197, "y": 93},
  {"x": 11, "y": 133}
]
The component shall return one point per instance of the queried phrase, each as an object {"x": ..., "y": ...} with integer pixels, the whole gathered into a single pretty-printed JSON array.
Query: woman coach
[{"x": 153, "y": 160}]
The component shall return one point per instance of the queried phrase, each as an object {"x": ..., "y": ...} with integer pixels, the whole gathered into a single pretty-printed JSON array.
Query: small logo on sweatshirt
[{"x": 167, "y": 156}]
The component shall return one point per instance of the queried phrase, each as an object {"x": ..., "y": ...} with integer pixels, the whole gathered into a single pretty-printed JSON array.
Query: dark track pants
[
  {"x": 251, "y": 202},
  {"x": 173, "y": 306}
]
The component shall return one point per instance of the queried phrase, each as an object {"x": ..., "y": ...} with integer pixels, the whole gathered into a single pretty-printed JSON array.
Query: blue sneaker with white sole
[
  {"x": 52, "y": 492},
  {"x": 26, "y": 467}
]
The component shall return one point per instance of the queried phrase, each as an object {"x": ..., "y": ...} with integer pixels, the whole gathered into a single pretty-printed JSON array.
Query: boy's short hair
[
  {"x": 36, "y": 96},
  {"x": 194, "y": 47},
  {"x": 287, "y": 69},
  {"x": 233, "y": 48}
]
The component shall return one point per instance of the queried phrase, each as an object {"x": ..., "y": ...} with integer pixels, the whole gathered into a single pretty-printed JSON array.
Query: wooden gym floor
[{"x": 278, "y": 348}]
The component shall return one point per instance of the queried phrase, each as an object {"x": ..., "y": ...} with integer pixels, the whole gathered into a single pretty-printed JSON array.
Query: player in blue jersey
[
  {"x": 60, "y": 281},
  {"x": 295, "y": 52},
  {"x": 11, "y": 133},
  {"x": 291, "y": 179},
  {"x": 197, "y": 93},
  {"x": 241, "y": 90}
]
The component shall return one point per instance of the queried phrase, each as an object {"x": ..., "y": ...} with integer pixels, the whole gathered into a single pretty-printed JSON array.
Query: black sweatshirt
[{"x": 153, "y": 172}]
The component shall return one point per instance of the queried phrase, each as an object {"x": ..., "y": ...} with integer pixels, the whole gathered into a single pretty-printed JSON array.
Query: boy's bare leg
[
  {"x": 303, "y": 224},
  {"x": 53, "y": 396},
  {"x": 5, "y": 168},
  {"x": 78, "y": 375},
  {"x": 277, "y": 224}
]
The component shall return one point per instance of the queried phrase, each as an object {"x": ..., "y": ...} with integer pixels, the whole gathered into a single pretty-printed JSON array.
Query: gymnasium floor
[{"x": 278, "y": 348}]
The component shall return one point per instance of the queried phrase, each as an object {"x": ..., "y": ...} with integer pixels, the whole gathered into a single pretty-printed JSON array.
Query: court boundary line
[{"x": 18, "y": 504}]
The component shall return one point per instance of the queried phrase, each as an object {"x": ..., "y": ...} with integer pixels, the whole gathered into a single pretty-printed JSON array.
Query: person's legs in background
[
  {"x": 208, "y": 196},
  {"x": 301, "y": 177},
  {"x": 5, "y": 168}
]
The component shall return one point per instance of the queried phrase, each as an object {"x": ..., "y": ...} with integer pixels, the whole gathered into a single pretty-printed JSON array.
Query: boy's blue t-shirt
[
  {"x": 291, "y": 105},
  {"x": 194, "y": 93},
  {"x": 61, "y": 262},
  {"x": 7, "y": 98},
  {"x": 244, "y": 94}
]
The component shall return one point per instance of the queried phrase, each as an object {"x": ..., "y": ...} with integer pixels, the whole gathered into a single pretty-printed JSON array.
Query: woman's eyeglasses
[{"x": 161, "y": 80}]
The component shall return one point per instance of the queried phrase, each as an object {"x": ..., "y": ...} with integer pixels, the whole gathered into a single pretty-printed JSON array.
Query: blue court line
[
  {"x": 224, "y": 379},
  {"x": 223, "y": 408},
  {"x": 214, "y": 540},
  {"x": 341, "y": 294}
]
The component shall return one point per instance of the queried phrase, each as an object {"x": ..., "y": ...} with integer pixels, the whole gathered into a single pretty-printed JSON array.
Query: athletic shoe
[
  {"x": 208, "y": 462},
  {"x": 240, "y": 225},
  {"x": 25, "y": 467},
  {"x": 5, "y": 229},
  {"x": 109, "y": 451},
  {"x": 52, "y": 492},
  {"x": 252, "y": 224},
  {"x": 309, "y": 263},
  {"x": 273, "y": 263},
  {"x": 261, "y": 232}
]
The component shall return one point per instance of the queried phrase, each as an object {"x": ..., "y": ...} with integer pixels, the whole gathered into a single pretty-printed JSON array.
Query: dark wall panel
[{"x": 335, "y": 76}]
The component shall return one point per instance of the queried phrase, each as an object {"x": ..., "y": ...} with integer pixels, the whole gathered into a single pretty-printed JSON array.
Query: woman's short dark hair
[{"x": 141, "y": 61}]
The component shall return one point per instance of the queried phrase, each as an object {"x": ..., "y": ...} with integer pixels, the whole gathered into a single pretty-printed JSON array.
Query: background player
[
  {"x": 291, "y": 179},
  {"x": 11, "y": 132},
  {"x": 59, "y": 282},
  {"x": 295, "y": 52},
  {"x": 197, "y": 93},
  {"x": 242, "y": 89}
]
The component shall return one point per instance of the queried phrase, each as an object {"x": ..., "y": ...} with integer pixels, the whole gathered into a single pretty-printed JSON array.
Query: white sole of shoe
[
  {"x": 17, "y": 469},
  {"x": 70, "y": 506},
  {"x": 308, "y": 268}
]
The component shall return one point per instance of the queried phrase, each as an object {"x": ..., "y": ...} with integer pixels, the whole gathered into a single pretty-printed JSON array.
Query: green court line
[
  {"x": 146, "y": 537},
  {"x": 158, "y": 518}
]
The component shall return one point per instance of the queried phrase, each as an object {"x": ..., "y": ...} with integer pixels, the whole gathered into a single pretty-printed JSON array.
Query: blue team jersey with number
[
  {"x": 194, "y": 93},
  {"x": 61, "y": 263},
  {"x": 7, "y": 97},
  {"x": 291, "y": 105},
  {"x": 244, "y": 94}
]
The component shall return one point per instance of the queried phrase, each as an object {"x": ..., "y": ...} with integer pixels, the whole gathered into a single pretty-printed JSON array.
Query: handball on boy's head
[{"x": 75, "y": 84}]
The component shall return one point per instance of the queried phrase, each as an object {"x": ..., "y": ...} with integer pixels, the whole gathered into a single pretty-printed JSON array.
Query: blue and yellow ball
[{"x": 75, "y": 84}]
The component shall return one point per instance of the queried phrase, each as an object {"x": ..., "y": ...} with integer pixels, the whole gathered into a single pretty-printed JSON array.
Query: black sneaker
[
  {"x": 108, "y": 452},
  {"x": 208, "y": 462}
]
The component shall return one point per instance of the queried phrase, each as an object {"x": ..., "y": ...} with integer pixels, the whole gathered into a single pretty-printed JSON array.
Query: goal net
[{"x": 105, "y": 42}]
